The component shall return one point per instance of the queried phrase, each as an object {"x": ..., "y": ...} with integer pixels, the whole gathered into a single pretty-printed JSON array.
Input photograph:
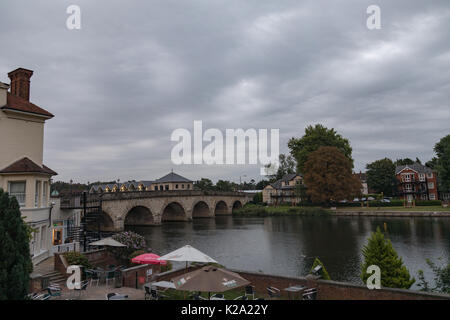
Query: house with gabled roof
[
  {"x": 416, "y": 182},
  {"x": 22, "y": 171},
  {"x": 170, "y": 181},
  {"x": 283, "y": 191}
]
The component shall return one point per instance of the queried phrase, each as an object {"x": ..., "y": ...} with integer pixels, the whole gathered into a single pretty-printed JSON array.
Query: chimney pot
[{"x": 20, "y": 82}]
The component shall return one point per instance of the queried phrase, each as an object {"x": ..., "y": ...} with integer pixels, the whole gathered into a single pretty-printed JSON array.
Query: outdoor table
[
  {"x": 294, "y": 289},
  {"x": 118, "y": 296},
  {"x": 161, "y": 284},
  {"x": 215, "y": 298}
]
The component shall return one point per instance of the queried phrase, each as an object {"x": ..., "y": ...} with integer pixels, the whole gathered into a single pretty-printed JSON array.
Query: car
[
  {"x": 370, "y": 198},
  {"x": 385, "y": 200},
  {"x": 356, "y": 200}
]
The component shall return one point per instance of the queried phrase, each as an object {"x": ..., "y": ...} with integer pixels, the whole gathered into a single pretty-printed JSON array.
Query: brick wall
[
  {"x": 136, "y": 277},
  {"x": 326, "y": 290}
]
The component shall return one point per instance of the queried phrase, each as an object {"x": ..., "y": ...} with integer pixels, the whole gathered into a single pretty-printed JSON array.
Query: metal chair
[
  {"x": 249, "y": 291},
  {"x": 273, "y": 292},
  {"x": 197, "y": 296},
  {"x": 110, "y": 276},
  {"x": 241, "y": 298},
  {"x": 147, "y": 292},
  {"x": 84, "y": 285},
  {"x": 310, "y": 294},
  {"x": 217, "y": 296},
  {"x": 94, "y": 277}
]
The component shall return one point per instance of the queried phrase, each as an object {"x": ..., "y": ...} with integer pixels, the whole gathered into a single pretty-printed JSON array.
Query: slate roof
[
  {"x": 279, "y": 183},
  {"x": 172, "y": 177},
  {"x": 19, "y": 104},
  {"x": 415, "y": 166},
  {"x": 26, "y": 165},
  {"x": 127, "y": 184}
]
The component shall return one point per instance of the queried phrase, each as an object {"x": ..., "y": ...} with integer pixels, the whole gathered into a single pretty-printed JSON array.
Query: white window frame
[
  {"x": 421, "y": 176},
  {"x": 430, "y": 185},
  {"x": 20, "y": 196},
  {"x": 430, "y": 175},
  {"x": 432, "y": 196},
  {"x": 44, "y": 193},
  {"x": 37, "y": 194}
]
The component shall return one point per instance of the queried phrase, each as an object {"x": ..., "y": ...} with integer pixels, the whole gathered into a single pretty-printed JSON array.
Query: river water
[{"x": 288, "y": 245}]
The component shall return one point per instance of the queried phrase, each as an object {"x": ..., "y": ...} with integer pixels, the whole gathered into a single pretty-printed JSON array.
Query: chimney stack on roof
[{"x": 20, "y": 82}]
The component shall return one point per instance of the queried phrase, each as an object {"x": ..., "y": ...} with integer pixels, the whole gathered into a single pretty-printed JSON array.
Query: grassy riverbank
[
  {"x": 266, "y": 211},
  {"x": 400, "y": 209},
  {"x": 269, "y": 211}
]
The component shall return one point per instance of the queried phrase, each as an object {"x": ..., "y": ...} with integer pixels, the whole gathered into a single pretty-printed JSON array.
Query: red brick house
[{"x": 416, "y": 182}]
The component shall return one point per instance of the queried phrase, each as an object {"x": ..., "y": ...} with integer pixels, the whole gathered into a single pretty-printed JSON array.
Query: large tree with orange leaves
[{"x": 328, "y": 176}]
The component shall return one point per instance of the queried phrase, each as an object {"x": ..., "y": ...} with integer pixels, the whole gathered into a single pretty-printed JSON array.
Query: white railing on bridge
[{"x": 73, "y": 246}]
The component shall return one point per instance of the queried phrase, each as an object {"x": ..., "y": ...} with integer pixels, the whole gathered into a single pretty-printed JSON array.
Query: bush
[
  {"x": 258, "y": 198},
  {"x": 423, "y": 203},
  {"x": 77, "y": 258},
  {"x": 133, "y": 242},
  {"x": 380, "y": 252},
  {"x": 15, "y": 259},
  {"x": 323, "y": 272}
]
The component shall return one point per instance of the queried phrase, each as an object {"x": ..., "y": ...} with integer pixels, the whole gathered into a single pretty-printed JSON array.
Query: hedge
[{"x": 423, "y": 203}]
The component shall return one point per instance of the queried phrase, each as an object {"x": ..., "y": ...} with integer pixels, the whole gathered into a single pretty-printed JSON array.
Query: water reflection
[{"x": 288, "y": 245}]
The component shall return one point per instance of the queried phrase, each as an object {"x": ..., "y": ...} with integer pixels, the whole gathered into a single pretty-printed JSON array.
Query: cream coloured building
[
  {"x": 283, "y": 190},
  {"x": 22, "y": 172}
]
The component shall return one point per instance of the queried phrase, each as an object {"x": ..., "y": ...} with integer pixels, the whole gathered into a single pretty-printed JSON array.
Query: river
[{"x": 288, "y": 245}]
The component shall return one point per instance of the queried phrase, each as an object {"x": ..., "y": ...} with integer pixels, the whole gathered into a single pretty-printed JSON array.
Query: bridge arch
[
  {"x": 139, "y": 216},
  {"x": 201, "y": 210},
  {"x": 173, "y": 211},
  {"x": 221, "y": 208},
  {"x": 236, "y": 205},
  {"x": 105, "y": 221}
]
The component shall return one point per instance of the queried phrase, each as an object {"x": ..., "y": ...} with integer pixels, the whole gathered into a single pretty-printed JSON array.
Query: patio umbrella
[
  {"x": 187, "y": 253},
  {"x": 209, "y": 279},
  {"x": 148, "y": 258},
  {"x": 107, "y": 242}
]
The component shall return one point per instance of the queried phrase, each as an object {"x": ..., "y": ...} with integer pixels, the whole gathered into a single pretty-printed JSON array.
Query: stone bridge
[{"x": 143, "y": 208}]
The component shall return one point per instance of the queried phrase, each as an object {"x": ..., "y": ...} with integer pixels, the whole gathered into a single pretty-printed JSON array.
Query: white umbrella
[
  {"x": 187, "y": 253},
  {"x": 107, "y": 242}
]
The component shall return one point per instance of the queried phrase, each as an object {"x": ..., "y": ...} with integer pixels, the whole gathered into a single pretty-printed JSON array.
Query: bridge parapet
[{"x": 167, "y": 193}]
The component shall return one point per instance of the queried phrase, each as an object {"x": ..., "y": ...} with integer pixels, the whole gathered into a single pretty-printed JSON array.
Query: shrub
[
  {"x": 77, "y": 258},
  {"x": 258, "y": 198},
  {"x": 133, "y": 242},
  {"x": 323, "y": 272},
  {"x": 423, "y": 203},
  {"x": 15, "y": 260},
  {"x": 379, "y": 252}
]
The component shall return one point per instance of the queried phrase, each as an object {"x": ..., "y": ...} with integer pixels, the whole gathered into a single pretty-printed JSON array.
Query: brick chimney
[{"x": 20, "y": 82}]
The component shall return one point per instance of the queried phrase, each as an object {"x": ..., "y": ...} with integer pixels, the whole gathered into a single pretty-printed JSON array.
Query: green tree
[
  {"x": 287, "y": 165},
  {"x": 262, "y": 184},
  {"x": 323, "y": 272},
  {"x": 223, "y": 185},
  {"x": 441, "y": 278},
  {"x": 379, "y": 252},
  {"x": 314, "y": 138},
  {"x": 381, "y": 176},
  {"x": 204, "y": 184},
  {"x": 15, "y": 259},
  {"x": 328, "y": 176},
  {"x": 405, "y": 161},
  {"x": 432, "y": 163},
  {"x": 442, "y": 149}
]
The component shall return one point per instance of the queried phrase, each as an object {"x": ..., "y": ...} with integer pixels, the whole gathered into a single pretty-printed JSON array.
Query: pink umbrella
[{"x": 148, "y": 258}]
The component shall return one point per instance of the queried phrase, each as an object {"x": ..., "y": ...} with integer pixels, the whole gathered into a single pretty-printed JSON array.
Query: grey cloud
[{"x": 138, "y": 70}]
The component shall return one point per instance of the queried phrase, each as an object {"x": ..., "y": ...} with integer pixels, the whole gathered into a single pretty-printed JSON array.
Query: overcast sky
[{"x": 137, "y": 70}]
